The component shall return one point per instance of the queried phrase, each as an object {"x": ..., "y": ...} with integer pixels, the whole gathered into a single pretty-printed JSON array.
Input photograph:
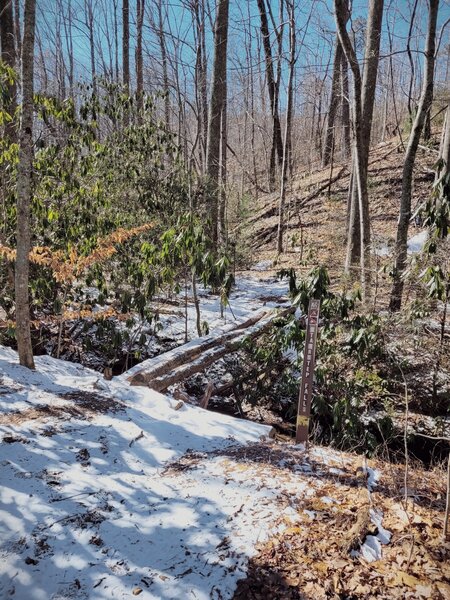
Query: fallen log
[
  {"x": 155, "y": 367},
  {"x": 195, "y": 359}
]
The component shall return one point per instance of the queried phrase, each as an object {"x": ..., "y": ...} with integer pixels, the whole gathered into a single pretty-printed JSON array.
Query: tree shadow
[{"x": 87, "y": 513}]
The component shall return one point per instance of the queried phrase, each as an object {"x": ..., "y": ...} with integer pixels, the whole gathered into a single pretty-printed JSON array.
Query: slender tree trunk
[
  {"x": 359, "y": 226},
  {"x": 345, "y": 110},
  {"x": 90, "y": 25},
  {"x": 24, "y": 191},
  {"x": 290, "y": 94},
  {"x": 223, "y": 227},
  {"x": 116, "y": 40},
  {"x": 9, "y": 130},
  {"x": 444, "y": 149},
  {"x": 410, "y": 157},
  {"x": 334, "y": 103},
  {"x": 17, "y": 30},
  {"x": 140, "y": 7},
  {"x": 427, "y": 125},
  {"x": 126, "y": 44},
  {"x": 277, "y": 141},
  {"x": 216, "y": 109},
  {"x": 163, "y": 49}
]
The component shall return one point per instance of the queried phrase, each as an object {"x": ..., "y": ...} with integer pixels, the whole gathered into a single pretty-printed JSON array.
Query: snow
[
  {"x": 248, "y": 295},
  {"x": 371, "y": 548},
  {"x": 417, "y": 242},
  {"x": 99, "y": 527},
  {"x": 108, "y": 491},
  {"x": 263, "y": 265}
]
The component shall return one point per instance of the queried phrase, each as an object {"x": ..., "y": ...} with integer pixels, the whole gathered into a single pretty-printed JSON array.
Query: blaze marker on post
[{"x": 309, "y": 360}]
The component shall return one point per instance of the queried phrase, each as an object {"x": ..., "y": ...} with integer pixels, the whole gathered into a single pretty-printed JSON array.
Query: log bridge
[{"x": 180, "y": 363}]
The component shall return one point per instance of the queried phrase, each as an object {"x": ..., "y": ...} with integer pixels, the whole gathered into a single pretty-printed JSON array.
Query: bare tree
[
  {"x": 273, "y": 88},
  {"x": 24, "y": 191},
  {"x": 334, "y": 103},
  {"x": 288, "y": 125},
  {"x": 140, "y": 7},
  {"x": 364, "y": 98},
  {"x": 126, "y": 43},
  {"x": 410, "y": 158},
  {"x": 216, "y": 109}
]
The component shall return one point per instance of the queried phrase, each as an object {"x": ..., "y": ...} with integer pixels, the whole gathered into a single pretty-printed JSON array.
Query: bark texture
[
  {"x": 126, "y": 43},
  {"x": 216, "y": 109},
  {"x": 24, "y": 191},
  {"x": 410, "y": 158},
  {"x": 276, "y": 151},
  {"x": 359, "y": 233}
]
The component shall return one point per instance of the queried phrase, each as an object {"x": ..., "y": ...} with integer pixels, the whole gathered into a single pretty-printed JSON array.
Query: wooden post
[{"x": 309, "y": 359}]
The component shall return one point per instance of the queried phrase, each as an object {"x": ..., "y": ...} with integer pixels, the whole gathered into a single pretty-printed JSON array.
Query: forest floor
[
  {"x": 112, "y": 491},
  {"x": 316, "y": 227}
]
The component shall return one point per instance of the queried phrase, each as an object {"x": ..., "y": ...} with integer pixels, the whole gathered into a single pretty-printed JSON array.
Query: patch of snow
[
  {"x": 263, "y": 265},
  {"x": 336, "y": 471},
  {"x": 417, "y": 242},
  {"x": 382, "y": 249},
  {"x": 247, "y": 296},
  {"x": 377, "y": 519},
  {"x": 328, "y": 500},
  {"x": 371, "y": 549},
  {"x": 373, "y": 476},
  {"x": 310, "y": 513}
]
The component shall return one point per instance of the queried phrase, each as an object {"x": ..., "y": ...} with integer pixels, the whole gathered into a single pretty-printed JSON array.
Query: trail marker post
[{"x": 309, "y": 361}]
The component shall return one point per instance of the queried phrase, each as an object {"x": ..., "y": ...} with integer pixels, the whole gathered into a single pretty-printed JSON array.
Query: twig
[
  {"x": 138, "y": 437},
  {"x": 405, "y": 440},
  {"x": 447, "y": 504}
]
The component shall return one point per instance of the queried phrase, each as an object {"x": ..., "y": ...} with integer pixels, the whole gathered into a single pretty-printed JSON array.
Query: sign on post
[{"x": 309, "y": 360}]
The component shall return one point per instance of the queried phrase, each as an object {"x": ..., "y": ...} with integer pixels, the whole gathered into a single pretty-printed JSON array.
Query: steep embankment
[{"x": 316, "y": 211}]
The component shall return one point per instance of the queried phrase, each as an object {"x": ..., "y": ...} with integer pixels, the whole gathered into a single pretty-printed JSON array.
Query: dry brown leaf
[
  {"x": 404, "y": 578},
  {"x": 444, "y": 589}
]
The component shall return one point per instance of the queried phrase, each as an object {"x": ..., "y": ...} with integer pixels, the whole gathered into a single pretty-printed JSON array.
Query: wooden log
[
  {"x": 155, "y": 367},
  {"x": 210, "y": 356},
  {"x": 207, "y": 395}
]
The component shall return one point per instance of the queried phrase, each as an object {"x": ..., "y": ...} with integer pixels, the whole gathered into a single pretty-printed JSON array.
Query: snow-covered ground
[
  {"x": 108, "y": 491},
  {"x": 248, "y": 295},
  {"x": 85, "y": 509}
]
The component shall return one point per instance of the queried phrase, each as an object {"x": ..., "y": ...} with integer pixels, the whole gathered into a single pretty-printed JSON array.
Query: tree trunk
[
  {"x": 359, "y": 226},
  {"x": 290, "y": 94},
  {"x": 163, "y": 49},
  {"x": 277, "y": 141},
  {"x": 410, "y": 157},
  {"x": 444, "y": 150},
  {"x": 90, "y": 25},
  {"x": 140, "y": 7},
  {"x": 216, "y": 109},
  {"x": 17, "y": 30},
  {"x": 126, "y": 44},
  {"x": 345, "y": 110},
  {"x": 24, "y": 191},
  {"x": 334, "y": 102}
]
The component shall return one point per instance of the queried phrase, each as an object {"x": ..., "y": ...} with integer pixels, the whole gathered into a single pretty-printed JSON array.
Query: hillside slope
[{"x": 316, "y": 212}]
